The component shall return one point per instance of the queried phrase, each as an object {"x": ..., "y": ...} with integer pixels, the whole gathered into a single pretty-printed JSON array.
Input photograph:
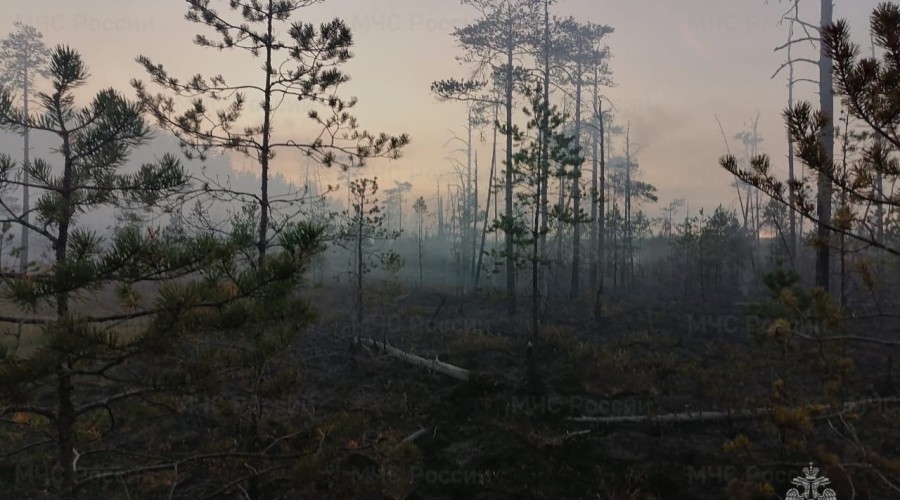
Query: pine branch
[{"x": 112, "y": 399}]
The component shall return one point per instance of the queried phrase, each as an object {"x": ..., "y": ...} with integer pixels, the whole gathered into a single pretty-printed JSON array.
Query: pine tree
[
  {"x": 362, "y": 228},
  {"x": 304, "y": 66},
  {"x": 85, "y": 365},
  {"x": 546, "y": 128},
  {"x": 495, "y": 40},
  {"x": 579, "y": 51},
  {"x": 23, "y": 57}
]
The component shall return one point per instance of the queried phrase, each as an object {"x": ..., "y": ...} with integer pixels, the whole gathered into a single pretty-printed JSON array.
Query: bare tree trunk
[
  {"x": 594, "y": 193},
  {"x": 800, "y": 219},
  {"x": 576, "y": 193},
  {"x": 487, "y": 205},
  {"x": 26, "y": 203},
  {"x": 560, "y": 221},
  {"x": 264, "y": 154},
  {"x": 615, "y": 245},
  {"x": 879, "y": 179},
  {"x": 843, "y": 269},
  {"x": 757, "y": 217},
  {"x": 399, "y": 213},
  {"x": 440, "y": 211},
  {"x": 510, "y": 262},
  {"x": 601, "y": 245},
  {"x": 535, "y": 262},
  {"x": 791, "y": 190},
  {"x": 420, "y": 222},
  {"x": 792, "y": 195},
  {"x": 604, "y": 152},
  {"x": 474, "y": 226},
  {"x": 468, "y": 219},
  {"x": 748, "y": 214},
  {"x": 359, "y": 261},
  {"x": 879, "y": 207},
  {"x": 496, "y": 210},
  {"x": 626, "y": 250},
  {"x": 545, "y": 144},
  {"x": 737, "y": 187},
  {"x": 823, "y": 202}
]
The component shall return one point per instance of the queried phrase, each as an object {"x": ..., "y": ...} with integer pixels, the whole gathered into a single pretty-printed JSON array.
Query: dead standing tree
[
  {"x": 862, "y": 83},
  {"x": 793, "y": 18}
]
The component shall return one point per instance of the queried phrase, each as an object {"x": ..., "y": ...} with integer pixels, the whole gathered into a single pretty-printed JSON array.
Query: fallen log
[
  {"x": 415, "y": 435},
  {"x": 730, "y": 416},
  {"x": 685, "y": 417},
  {"x": 431, "y": 364},
  {"x": 569, "y": 435}
]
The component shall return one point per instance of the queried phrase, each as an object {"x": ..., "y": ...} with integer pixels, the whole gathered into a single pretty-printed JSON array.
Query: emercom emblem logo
[{"x": 811, "y": 485}]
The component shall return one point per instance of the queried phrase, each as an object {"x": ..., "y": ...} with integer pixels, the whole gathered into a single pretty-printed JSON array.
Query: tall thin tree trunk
[
  {"x": 265, "y": 151},
  {"x": 605, "y": 140},
  {"x": 615, "y": 245},
  {"x": 474, "y": 224},
  {"x": 594, "y": 193},
  {"x": 467, "y": 219},
  {"x": 510, "y": 258},
  {"x": 65, "y": 391},
  {"x": 26, "y": 203},
  {"x": 627, "y": 249},
  {"x": 843, "y": 267},
  {"x": 399, "y": 213},
  {"x": 576, "y": 193},
  {"x": 420, "y": 222},
  {"x": 791, "y": 190},
  {"x": 601, "y": 244},
  {"x": 879, "y": 178},
  {"x": 535, "y": 259},
  {"x": 748, "y": 213},
  {"x": 560, "y": 221},
  {"x": 440, "y": 211},
  {"x": 359, "y": 257},
  {"x": 792, "y": 194},
  {"x": 545, "y": 144},
  {"x": 823, "y": 202},
  {"x": 487, "y": 204}
]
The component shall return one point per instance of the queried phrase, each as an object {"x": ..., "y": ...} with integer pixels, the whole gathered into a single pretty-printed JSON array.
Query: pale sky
[{"x": 676, "y": 63}]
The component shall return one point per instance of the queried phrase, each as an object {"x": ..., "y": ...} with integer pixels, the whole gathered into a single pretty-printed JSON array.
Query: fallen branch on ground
[
  {"x": 730, "y": 416},
  {"x": 415, "y": 435},
  {"x": 569, "y": 435},
  {"x": 432, "y": 364}
]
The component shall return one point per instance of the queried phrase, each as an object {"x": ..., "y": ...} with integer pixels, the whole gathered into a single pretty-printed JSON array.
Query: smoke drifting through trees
[{"x": 185, "y": 329}]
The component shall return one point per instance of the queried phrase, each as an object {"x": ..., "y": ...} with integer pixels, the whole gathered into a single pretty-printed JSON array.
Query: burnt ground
[
  {"x": 507, "y": 433},
  {"x": 365, "y": 425}
]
